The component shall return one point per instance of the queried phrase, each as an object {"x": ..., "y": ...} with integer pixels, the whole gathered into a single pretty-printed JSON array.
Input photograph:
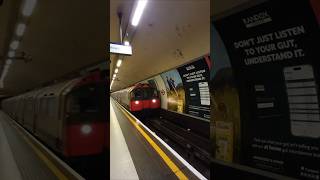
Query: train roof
[{"x": 62, "y": 87}]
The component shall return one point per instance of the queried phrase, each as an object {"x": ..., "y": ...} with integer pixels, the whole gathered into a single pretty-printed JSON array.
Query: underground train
[
  {"x": 138, "y": 97},
  {"x": 69, "y": 117}
]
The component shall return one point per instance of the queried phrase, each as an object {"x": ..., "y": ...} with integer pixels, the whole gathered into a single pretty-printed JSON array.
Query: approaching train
[
  {"x": 138, "y": 98},
  {"x": 69, "y": 117}
]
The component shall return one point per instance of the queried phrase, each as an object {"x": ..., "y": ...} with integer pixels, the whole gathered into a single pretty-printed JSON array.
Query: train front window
[
  {"x": 88, "y": 99},
  {"x": 137, "y": 94},
  {"x": 144, "y": 93},
  {"x": 153, "y": 93}
]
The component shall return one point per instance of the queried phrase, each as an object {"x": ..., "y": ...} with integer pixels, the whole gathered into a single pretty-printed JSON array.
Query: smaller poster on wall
[{"x": 175, "y": 91}]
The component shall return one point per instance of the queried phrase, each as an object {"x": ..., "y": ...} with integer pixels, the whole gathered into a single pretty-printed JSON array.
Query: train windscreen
[
  {"x": 89, "y": 100},
  {"x": 144, "y": 93},
  {"x": 151, "y": 93},
  {"x": 137, "y": 94}
]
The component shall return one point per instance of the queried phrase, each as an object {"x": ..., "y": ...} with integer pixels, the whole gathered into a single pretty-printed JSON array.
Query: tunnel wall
[
  {"x": 185, "y": 89},
  {"x": 184, "y": 95},
  {"x": 187, "y": 97}
]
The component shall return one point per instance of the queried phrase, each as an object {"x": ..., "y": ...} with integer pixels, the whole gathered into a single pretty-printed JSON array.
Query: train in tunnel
[
  {"x": 139, "y": 97},
  {"x": 178, "y": 93},
  {"x": 181, "y": 96},
  {"x": 70, "y": 117}
]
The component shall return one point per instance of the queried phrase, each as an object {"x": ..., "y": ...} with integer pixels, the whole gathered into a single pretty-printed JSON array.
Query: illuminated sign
[{"x": 120, "y": 49}]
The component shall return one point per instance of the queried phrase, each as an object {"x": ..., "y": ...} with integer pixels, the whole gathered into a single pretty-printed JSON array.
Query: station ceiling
[
  {"x": 61, "y": 36},
  {"x": 170, "y": 33}
]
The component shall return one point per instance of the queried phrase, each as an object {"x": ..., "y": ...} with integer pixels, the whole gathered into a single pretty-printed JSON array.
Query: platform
[
  {"x": 21, "y": 157},
  {"x": 138, "y": 153}
]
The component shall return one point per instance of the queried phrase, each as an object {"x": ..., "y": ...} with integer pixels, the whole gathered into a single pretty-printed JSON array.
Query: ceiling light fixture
[
  {"x": 116, "y": 70},
  {"x": 11, "y": 54},
  {"x": 138, "y": 12},
  {"x": 115, "y": 75},
  {"x": 20, "y": 29},
  {"x": 111, "y": 84},
  {"x": 28, "y": 7},
  {"x": 14, "y": 44},
  {"x": 119, "y": 63},
  {"x": 126, "y": 43}
]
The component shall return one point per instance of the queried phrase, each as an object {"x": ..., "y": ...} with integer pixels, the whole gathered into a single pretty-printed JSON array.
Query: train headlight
[
  {"x": 86, "y": 129},
  {"x": 136, "y": 102},
  {"x": 154, "y": 100}
]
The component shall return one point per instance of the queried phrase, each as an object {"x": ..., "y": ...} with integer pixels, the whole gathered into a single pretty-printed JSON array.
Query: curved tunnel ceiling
[
  {"x": 61, "y": 36},
  {"x": 170, "y": 33}
]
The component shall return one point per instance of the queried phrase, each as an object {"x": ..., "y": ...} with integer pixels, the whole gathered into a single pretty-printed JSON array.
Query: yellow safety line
[
  {"x": 50, "y": 165},
  {"x": 175, "y": 169}
]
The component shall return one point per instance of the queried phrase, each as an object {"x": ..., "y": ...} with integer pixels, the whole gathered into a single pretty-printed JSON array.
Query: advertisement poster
[
  {"x": 175, "y": 91},
  {"x": 273, "y": 48},
  {"x": 195, "y": 78},
  {"x": 225, "y": 108}
]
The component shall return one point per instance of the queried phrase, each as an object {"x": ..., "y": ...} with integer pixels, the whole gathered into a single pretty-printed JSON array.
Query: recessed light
[
  {"x": 11, "y": 54},
  {"x": 28, "y": 7},
  {"x": 119, "y": 63},
  {"x": 14, "y": 44},
  {"x": 20, "y": 29}
]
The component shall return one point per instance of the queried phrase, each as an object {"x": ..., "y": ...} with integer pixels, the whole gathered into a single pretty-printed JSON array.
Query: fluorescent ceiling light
[
  {"x": 28, "y": 7},
  {"x": 126, "y": 43},
  {"x": 111, "y": 84},
  {"x": 115, "y": 75},
  {"x": 138, "y": 12},
  {"x": 14, "y": 44},
  {"x": 11, "y": 54},
  {"x": 20, "y": 29},
  {"x": 116, "y": 70},
  {"x": 119, "y": 63}
]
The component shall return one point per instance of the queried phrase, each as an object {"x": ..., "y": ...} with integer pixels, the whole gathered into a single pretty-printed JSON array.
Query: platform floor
[
  {"x": 19, "y": 159},
  {"x": 136, "y": 154}
]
